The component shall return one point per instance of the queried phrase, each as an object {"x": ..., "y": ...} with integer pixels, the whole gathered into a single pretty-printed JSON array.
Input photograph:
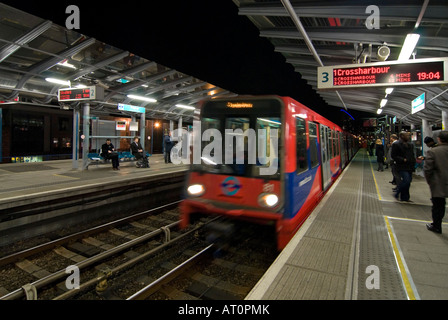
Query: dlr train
[{"x": 263, "y": 159}]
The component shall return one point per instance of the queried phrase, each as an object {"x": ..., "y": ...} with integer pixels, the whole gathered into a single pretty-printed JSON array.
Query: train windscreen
[{"x": 241, "y": 141}]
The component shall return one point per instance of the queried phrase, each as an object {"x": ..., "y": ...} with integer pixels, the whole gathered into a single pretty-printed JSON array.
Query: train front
[{"x": 237, "y": 156}]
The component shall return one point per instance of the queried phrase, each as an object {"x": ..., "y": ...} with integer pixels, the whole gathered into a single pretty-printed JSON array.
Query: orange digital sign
[{"x": 239, "y": 105}]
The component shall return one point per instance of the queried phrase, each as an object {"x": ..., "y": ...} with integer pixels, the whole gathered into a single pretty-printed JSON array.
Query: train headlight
[
  {"x": 196, "y": 190},
  {"x": 269, "y": 200}
]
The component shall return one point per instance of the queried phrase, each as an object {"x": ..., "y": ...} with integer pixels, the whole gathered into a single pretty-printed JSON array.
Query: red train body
[{"x": 312, "y": 152}]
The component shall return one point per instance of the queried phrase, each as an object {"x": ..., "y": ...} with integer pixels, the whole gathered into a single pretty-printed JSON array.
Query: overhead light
[
  {"x": 379, "y": 111},
  {"x": 383, "y": 103},
  {"x": 185, "y": 107},
  {"x": 58, "y": 81},
  {"x": 66, "y": 64},
  {"x": 80, "y": 86},
  {"x": 141, "y": 98},
  {"x": 408, "y": 46},
  {"x": 389, "y": 90}
]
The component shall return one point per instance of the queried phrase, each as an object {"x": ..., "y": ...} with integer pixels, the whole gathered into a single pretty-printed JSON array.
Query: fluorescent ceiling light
[
  {"x": 66, "y": 64},
  {"x": 408, "y": 46},
  {"x": 383, "y": 103},
  {"x": 185, "y": 107},
  {"x": 379, "y": 111},
  {"x": 389, "y": 90},
  {"x": 58, "y": 81},
  {"x": 141, "y": 98}
]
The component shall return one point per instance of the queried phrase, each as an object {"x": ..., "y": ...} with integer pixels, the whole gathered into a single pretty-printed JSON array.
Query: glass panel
[
  {"x": 313, "y": 144},
  {"x": 301, "y": 137}
]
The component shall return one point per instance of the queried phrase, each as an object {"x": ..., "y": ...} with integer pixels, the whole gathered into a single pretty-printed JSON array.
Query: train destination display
[
  {"x": 79, "y": 94},
  {"x": 385, "y": 74}
]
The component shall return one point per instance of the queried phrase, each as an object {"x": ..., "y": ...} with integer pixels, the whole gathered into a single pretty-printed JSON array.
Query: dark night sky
[{"x": 203, "y": 38}]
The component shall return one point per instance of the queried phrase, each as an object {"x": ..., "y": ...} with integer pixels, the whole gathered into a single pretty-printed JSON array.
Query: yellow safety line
[
  {"x": 376, "y": 184},
  {"x": 400, "y": 261}
]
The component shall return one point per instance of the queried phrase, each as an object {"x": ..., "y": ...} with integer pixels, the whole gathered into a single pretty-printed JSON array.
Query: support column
[
  {"x": 142, "y": 129},
  {"x": 133, "y": 133},
  {"x": 444, "y": 120},
  {"x": 86, "y": 133},
  {"x": 171, "y": 125},
  {"x": 75, "y": 138}
]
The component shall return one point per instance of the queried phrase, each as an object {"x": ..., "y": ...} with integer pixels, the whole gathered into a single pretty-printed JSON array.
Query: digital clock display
[
  {"x": 413, "y": 72},
  {"x": 76, "y": 94}
]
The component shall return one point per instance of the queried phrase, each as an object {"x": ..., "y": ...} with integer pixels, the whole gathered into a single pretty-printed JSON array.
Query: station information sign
[
  {"x": 384, "y": 74},
  {"x": 77, "y": 94}
]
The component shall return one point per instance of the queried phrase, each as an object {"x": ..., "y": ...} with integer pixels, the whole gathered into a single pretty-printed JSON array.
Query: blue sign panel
[
  {"x": 128, "y": 107},
  {"x": 418, "y": 103}
]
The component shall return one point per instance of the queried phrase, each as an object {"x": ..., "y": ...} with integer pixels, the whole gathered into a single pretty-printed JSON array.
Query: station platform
[
  {"x": 361, "y": 244},
  {"x": 23, "y": 180},
  {"x": 41, "y": 193}
]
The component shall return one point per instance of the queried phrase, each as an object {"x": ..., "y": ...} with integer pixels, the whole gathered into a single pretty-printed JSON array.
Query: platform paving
[
  {"x": 360, "y": 243},
  {"x": 20, "y": 179}
]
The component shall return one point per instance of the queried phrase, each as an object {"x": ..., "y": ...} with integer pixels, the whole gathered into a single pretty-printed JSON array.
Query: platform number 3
[{"x": 325, "y": 77}]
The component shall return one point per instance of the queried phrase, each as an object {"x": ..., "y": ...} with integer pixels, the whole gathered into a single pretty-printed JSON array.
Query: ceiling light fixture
[
  {"x": 141, "y": 98},
  {"x": 185, "y": 107},
  {"x": 408, "y": 46},
  {"x": 58, "y": 81}
]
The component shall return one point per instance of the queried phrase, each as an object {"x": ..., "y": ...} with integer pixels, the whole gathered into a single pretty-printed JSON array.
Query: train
[{"x": 272, "y": 165}]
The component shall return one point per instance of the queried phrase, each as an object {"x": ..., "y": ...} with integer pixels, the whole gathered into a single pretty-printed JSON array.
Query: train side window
[
  {"x": 330, "y": 144},
  {"x": 301, "y": 137},
  {"x": 313, "y": 144}
]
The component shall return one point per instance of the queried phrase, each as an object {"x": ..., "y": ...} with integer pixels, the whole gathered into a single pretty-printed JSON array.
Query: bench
[{"x": 123, "y": 156}]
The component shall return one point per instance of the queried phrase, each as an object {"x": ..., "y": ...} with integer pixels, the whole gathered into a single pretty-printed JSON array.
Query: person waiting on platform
[
  {"x": 139, "y": 154},
  {"x": 168, "y": 145},
  {"x": 108, "y": 152},
  {"x": 379, "y": 151},
  {"x": 403, "y": 155},
  {"x": 436, "y": 175}
]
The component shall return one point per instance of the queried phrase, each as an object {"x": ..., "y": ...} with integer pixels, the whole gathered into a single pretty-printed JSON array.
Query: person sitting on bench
[
  {"x": 139, "y": 154},
  {"x": 108, "y": 152}
]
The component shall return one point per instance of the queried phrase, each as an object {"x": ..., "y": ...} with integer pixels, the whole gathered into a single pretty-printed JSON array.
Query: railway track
[
  {"x": 215, "y": 273},
  {"x": 41, "y": 266},
  {"x": 140, "y": 257}
]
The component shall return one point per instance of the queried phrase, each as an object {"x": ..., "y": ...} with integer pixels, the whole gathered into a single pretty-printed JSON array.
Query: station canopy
[
  {"x": 338, "y": 32},
  {"x": 34, "y": 52}
]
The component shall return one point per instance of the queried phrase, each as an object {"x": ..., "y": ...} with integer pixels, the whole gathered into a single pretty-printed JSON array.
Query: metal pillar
[
  {"x": 75, "y": 138},
  {"x": 86, "y": 133},
  {"x": 444, "y": 120},
  {"x": 171, "y": 125},
  {"x": 142, "y": 129},
  {"x": 133, "y": 133}
]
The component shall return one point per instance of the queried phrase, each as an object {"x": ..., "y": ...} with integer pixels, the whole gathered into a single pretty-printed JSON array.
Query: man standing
[
  {"x": 436, "y": 175},
  {"x": 395, "y": 176},
  {"x": 403, "y": 155}
]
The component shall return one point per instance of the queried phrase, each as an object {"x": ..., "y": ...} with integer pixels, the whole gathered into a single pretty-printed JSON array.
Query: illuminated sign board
[
  {"x": 384, "y": 74},
  {"x": 128, "y": 107},
  {"x": 120, "y": 125},
  {"x": 239, "y": 105},
  {"x": 78, "y": 94},
  {"x": 418, "y": 104}
]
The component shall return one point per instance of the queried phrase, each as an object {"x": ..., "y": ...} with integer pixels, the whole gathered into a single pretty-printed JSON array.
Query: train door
[{"x": 325, "y": 155}]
